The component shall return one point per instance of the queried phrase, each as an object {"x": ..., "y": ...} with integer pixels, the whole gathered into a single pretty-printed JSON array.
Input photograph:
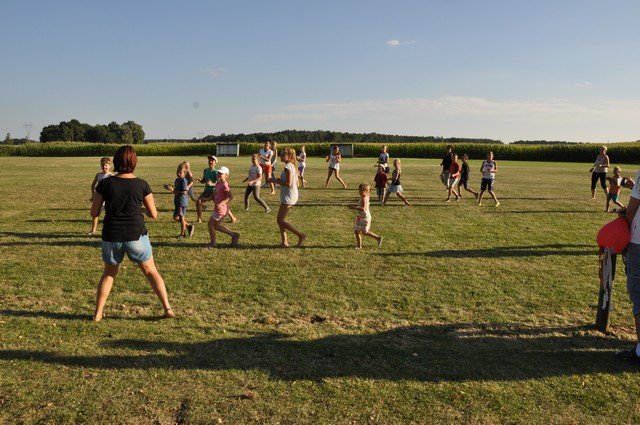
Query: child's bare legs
[
  {"x": 593, "y": 194},
  {"x": 157, "y": 284},
  {"x": 183, "y": 224},
  {"x": 221, "y": 228},
  {"x": 450, "y": 189},
  {"x": 358, "y": 238},
  {"x": 385, "y": 197},
  {"x": 104, "y": 289},
  {"x": 201, "y": 203},
  {"x": 480, "y": 196},
  {"x": 232, "y": 217},
  {"x": 366, "y": 233},
  {"x": 606, "y": 205},
  {"x": 404, "y": 199},
  {"x": 493, "y": 195},
  {"x": 344, "y": 185},
  {"x": 212, "y": 232},
  {"x": 326, "y": 184},
  {"x": 284, "y": 226}
]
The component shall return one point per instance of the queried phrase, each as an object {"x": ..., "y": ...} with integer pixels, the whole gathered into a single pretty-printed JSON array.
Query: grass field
[{"x": 465, "y": 314}]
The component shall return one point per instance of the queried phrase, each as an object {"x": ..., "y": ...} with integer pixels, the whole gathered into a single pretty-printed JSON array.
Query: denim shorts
[
  {"x": 179, "y": 211},
  {"x": 486, "y": 184},
  {"x": 633, "y": 276},
  {"x": 138, "y": 251}
]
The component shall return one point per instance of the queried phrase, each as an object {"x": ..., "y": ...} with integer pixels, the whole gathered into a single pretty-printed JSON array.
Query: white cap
[{"x": 223, "y": 170}]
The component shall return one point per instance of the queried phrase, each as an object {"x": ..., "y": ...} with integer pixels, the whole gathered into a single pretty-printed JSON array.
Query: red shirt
[
  {"x": 381, "y": 180},
  {"x": 454, "y": 170}
]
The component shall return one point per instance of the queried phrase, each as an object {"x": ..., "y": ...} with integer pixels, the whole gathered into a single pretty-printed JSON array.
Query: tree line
[
  {"x": 323, "y": 136},
  {"x": 75, "y": 131}
]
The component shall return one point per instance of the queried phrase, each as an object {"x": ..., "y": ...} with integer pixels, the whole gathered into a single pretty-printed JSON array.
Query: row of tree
[
  {"x": 75, "y": 131},
  {"x": 320, "y": 136}
]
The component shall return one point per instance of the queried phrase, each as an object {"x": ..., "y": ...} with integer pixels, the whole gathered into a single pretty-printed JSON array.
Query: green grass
[{"x": 466, "y": 314}]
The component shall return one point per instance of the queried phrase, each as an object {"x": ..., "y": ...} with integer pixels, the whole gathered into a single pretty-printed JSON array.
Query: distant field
[{"x": 466, "y": 314}]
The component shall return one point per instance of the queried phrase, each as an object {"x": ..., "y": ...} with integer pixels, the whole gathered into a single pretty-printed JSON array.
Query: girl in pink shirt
[{"x": 221, "y": 209}]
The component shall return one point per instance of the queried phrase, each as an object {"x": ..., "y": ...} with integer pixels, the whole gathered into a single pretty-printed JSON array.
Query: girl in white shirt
[
  {"x": 334, "y": 166},
  {"x": 288, "y": 182}
]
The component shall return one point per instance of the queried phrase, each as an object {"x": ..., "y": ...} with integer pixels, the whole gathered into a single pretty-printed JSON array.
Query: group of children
[{"x": 455, "y": 175}]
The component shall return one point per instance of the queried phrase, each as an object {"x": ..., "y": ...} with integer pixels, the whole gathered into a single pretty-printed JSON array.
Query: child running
[
  {"x": 288, "y": 197},
  {"x": 615, "y": 183},
  {"x": 302, "y": 158},
  {"x": 189, "y": 176},
  {"x": 489, "y": 168},
  {"x": 464, "y": 177},
  {"x": 220, "y": 210},
  {"x": 209, "y": 178},
  {"x": 253, "y": 184},
  {"x": 395, "y": 186},
  {"x": 334, "y": 166},
  {"x": 180, "y": 191},
  {"x": 362, "y": 224},
  {"x": 105, "y": 165},
  {"x": 381, "y": 181},
  {"x": 454, "y": 177},
  {"x": 265, "y": 155}
]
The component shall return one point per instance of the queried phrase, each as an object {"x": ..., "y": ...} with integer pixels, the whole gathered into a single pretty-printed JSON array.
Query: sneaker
[
  {"x": 358, "y": 247},
  {"x": 628, "y": 355},
  {"x": 267, "y": 211},
  {"x": 246, "y": 209},
  {"x": 190, "y": 229},
  {"x": 479, "y": 204},
  {"x": 91, "y": 233},
  {"x": 380, "y": 241},
  {"x": 497, "y": 204}
]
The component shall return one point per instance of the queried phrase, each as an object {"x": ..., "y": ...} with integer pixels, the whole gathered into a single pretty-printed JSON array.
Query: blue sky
[{"x": 554, "y": 70}]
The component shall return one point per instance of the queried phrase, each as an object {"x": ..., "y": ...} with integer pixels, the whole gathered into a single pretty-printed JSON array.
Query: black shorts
[
  {"x": 487, "y": 184},
  {"x": 598, "y": 176},
  {"x": 463, "y": 182}
]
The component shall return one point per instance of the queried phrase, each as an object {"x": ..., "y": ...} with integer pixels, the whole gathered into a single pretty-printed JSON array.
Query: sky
[{"x": 499, "y": 69}]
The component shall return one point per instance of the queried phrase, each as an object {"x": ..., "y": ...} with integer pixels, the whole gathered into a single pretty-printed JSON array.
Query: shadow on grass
[
  {"x": 499, "y": 211},
  {"x": 504, "y": 251},
  {"x": 458, "y": 352}
]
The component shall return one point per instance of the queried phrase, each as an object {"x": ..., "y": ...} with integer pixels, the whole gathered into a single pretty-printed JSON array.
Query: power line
[{"x": 28, "y": 126}]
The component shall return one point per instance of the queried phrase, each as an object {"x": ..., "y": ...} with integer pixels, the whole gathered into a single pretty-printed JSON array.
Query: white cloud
[
  {"x": 508, "y": 120},
  {"x": 395, "y": 42},
  {"x": 212, "y": 72}
]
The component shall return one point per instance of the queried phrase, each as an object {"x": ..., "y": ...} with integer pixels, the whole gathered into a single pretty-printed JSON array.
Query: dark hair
[{"x": 125, "y": 159}]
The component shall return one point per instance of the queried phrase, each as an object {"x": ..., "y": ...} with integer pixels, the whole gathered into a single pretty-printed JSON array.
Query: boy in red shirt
[
  {"x": 381, "y": 182},
  {"x": 454, "y": 177}
]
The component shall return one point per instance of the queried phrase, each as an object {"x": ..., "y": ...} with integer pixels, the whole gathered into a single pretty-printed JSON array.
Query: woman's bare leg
[
  {"x": 104, "y": 289},
  {"x": 157, "y": 284}
]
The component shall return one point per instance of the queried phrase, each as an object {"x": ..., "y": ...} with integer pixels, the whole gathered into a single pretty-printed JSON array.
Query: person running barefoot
[
  {"x": 221, "y": 209},
  {"x": 124, "y": 230},
  {"x": 334, "y": 166},
  {"x": 288, "y": 182},
  {"x": 464, "y": 177},
  {"x": 362, "y": 224},
  {"x": 395, "y": 186},
  {"x": 489, "y": 168}
]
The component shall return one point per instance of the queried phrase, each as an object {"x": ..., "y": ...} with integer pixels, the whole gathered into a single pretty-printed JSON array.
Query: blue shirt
[{"x": 181, "y": 200}]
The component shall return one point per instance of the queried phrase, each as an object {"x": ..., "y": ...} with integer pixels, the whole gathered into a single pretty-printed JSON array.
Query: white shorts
[{"x": 362, "y": 224}]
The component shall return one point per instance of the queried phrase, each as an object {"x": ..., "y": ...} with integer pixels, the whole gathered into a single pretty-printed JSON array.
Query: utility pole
[{"x": 28, "y": 127}]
